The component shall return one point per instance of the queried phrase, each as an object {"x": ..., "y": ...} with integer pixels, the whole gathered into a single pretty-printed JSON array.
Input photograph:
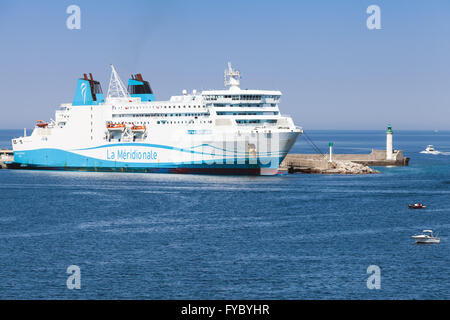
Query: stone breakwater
[{"x": 341, "y": 163}]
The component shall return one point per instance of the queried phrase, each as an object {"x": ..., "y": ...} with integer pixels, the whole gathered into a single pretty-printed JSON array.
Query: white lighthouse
[{"x": 389, "y": 149}]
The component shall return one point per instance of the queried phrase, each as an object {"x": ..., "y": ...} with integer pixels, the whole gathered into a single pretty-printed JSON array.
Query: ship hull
[{"x": 204, "y": 158}]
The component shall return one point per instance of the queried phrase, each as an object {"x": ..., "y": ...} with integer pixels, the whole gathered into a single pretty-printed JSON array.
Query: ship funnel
[
  {"x": 88, "y": 92},
  {"x": 138, "y": 87}
]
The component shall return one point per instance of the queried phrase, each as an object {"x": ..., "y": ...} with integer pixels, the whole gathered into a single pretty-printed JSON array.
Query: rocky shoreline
[{"x": 348, "y": 167}]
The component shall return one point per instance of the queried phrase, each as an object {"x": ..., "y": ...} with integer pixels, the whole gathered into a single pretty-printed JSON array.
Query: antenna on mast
[
  {"x": 116, "y": 87},
  {"x": 232, "y": 77}
]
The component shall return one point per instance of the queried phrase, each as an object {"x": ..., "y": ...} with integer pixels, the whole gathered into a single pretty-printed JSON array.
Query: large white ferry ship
[{"x": 231, "y": 131}]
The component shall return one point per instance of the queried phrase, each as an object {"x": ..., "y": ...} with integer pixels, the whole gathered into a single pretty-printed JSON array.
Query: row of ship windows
[
  {"x": 153, "y": 107},
  {"x": 224, "y": 113},
  {"x": 239, "y": 97},
  {"x": 164, "y": 122},
  {"x": 240, "y": 105},
  {"x": 161, "y": 115},
  {"x": 255, "y": 121},
  {"x": 180, "y": 122}
]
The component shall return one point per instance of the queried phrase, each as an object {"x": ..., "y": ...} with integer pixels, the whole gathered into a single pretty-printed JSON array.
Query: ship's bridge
[
  {"x": 242, "y": 107},
  {"x": 234, "y": 96}
]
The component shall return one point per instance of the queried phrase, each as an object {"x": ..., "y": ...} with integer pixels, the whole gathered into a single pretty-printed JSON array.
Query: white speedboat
[
  {"x": 430, "y": 150},
  {"x": 426, "y": 237}
]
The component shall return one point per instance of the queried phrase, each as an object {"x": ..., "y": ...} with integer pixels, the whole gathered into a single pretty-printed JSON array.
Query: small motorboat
[
  {"x": 416, "y": 206},
  {"x": 41, "y": 124},
  {"x": 427, "y": 237},
  {"x": 430, "y": 150}
]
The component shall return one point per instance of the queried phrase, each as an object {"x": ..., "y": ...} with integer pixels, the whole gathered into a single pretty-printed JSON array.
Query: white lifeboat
[
  {"x": 115, "y": 126},
  {"x": 138, "y": 129}
]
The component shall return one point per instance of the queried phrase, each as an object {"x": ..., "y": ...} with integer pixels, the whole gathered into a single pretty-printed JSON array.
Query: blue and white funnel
[
  {"x": 138, "y": 87},
  {"x": 88, "y": 92}
]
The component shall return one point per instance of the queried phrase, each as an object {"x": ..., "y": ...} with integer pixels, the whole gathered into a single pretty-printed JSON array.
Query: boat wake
[
  {"x": 442, "y": 153},
  {"x": 430, "y": 150}
]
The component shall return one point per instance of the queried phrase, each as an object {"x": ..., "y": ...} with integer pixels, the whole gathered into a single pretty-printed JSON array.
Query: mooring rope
[{"x": 315, "y": 147}]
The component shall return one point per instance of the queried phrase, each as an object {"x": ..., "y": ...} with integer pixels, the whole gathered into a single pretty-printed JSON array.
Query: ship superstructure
[{"x": 230, "y": 131}]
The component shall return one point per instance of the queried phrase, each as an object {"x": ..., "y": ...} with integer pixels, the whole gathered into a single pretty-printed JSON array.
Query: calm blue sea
[{"x": 163, "y": 236}]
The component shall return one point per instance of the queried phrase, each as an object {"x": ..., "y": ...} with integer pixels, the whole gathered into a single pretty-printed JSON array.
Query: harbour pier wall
[{"x": 355, "y": 163}]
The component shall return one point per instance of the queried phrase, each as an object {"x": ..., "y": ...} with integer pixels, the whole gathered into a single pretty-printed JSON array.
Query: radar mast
[{"x": 232, "y": 78}]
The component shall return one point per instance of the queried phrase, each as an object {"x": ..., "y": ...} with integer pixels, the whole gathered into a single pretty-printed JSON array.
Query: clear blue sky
[{"x": 334, "y": 73}]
